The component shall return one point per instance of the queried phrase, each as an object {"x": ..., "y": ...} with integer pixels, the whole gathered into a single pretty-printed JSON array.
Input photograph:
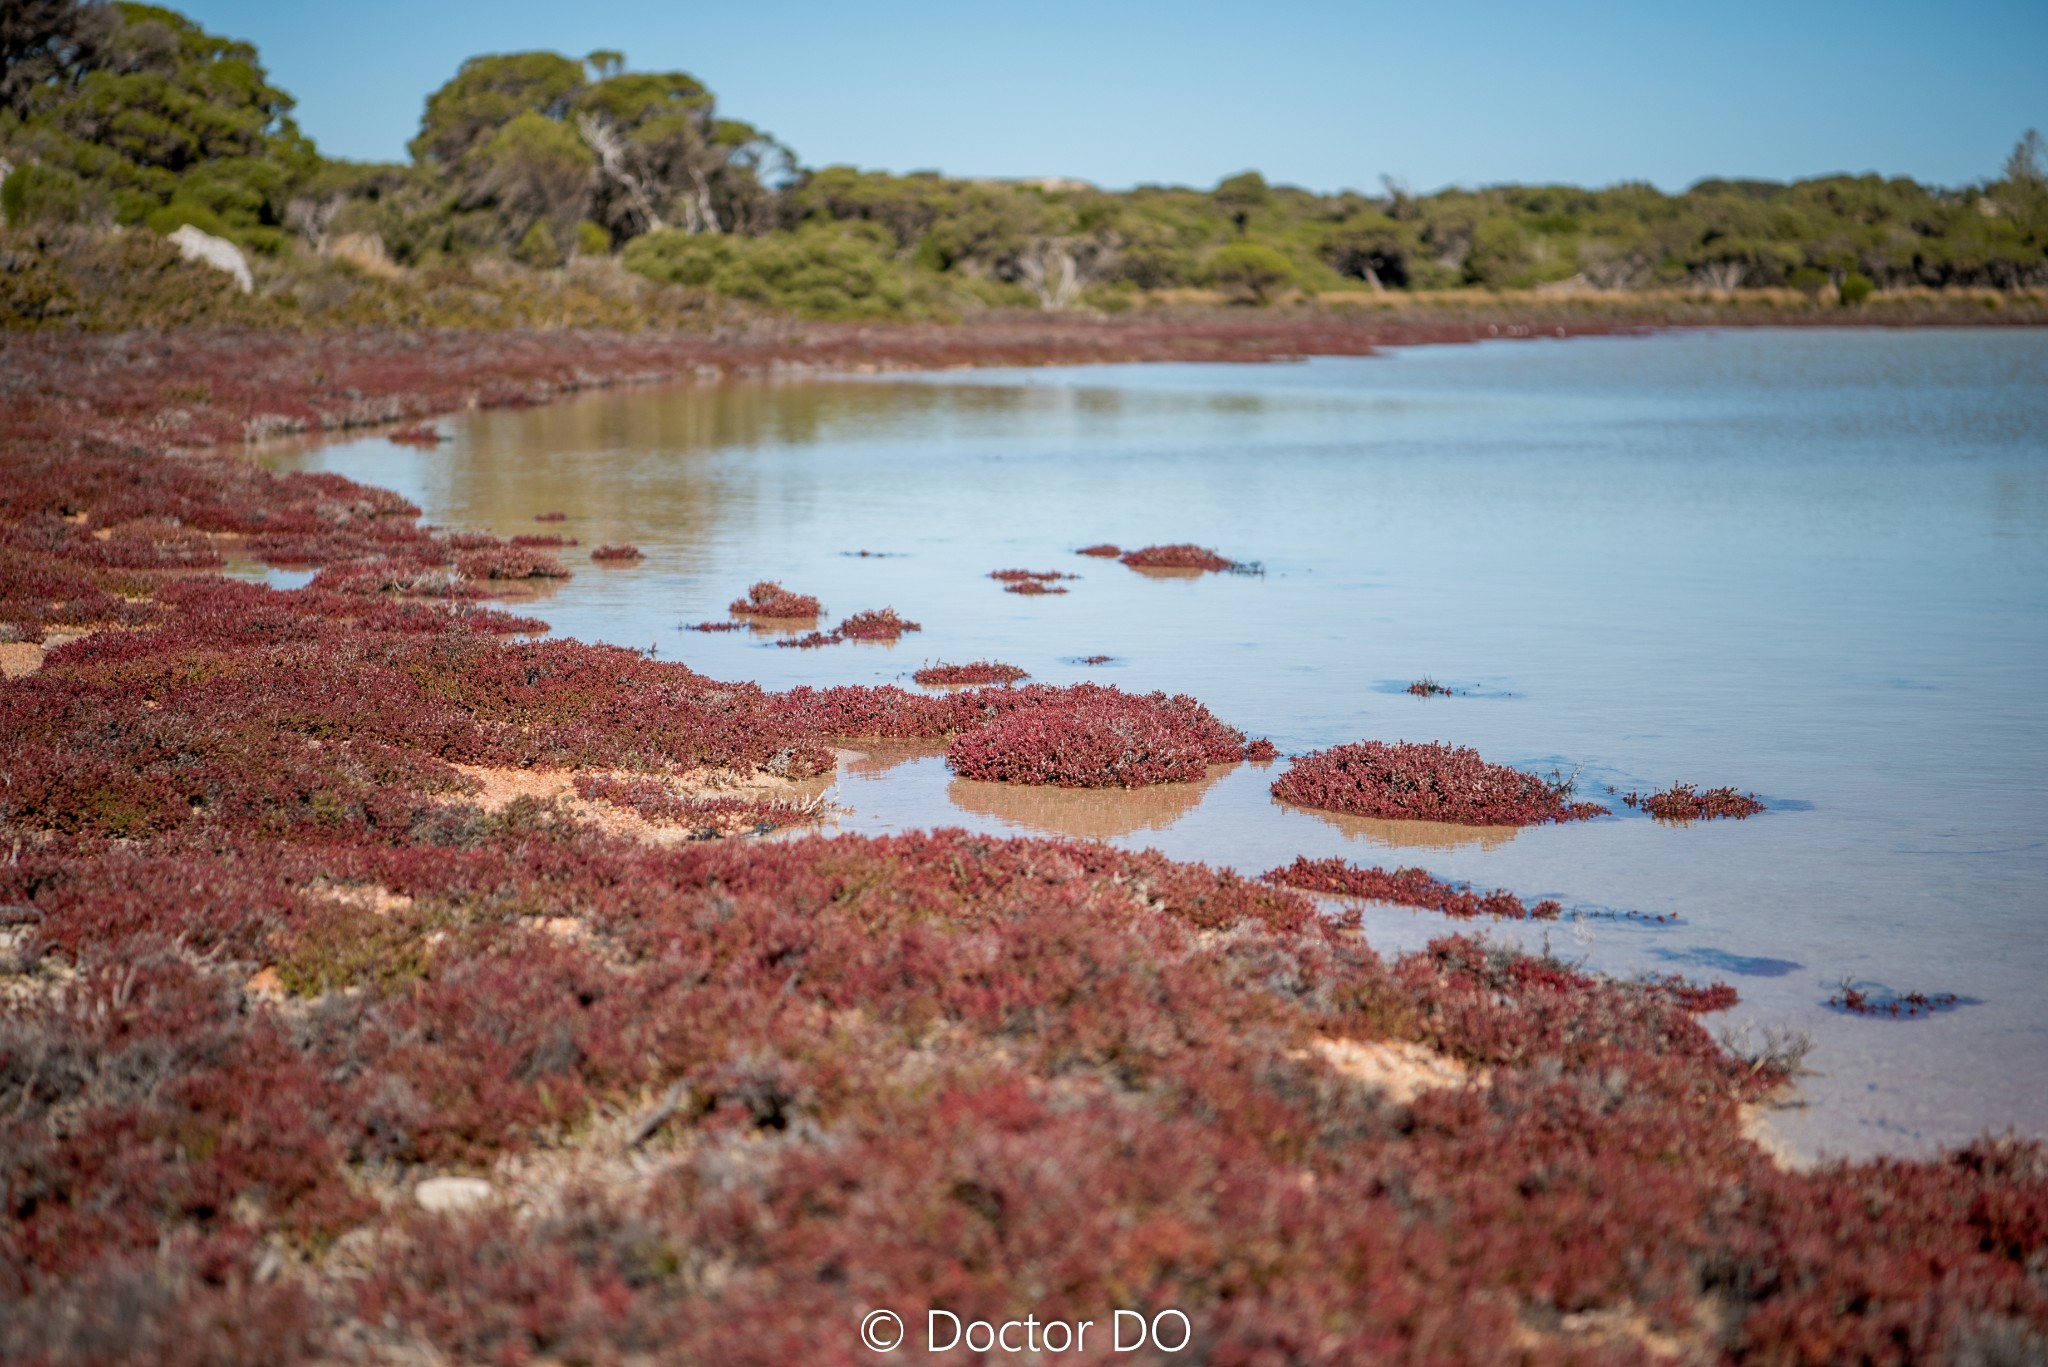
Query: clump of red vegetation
[
  {"x": 1429, "y": 688},
  {"x": 1100, "y": 660},
  {"x": 879, "y": 624},
  {"x": 977, "y": 674},
  {"x": 421, "y": 434},
  {"x": 1684, "y": 802},
  {"x": 616, "y": 553},
  {"x": 1866, "y": 1001},
  {"x": 1030, "y": 581},
  {"x": 876, "y": 624},
  {"x": 1089, "y": 736},
  {"x": 716, "y": 626},
  {"x": 769, "y": 599},
  {"x": 1426, "y": 782},
  {"x": 1407, "y": 888},
  {"x": 925, "y": 1070},
  {"x": 1180, "y": 556},
  {"x": 550, "y": 517},
  {"x": 544, "y": 540},
  {"x": 1104, "y": 551}
]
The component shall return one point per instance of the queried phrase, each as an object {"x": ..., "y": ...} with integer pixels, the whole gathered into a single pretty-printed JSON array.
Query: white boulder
[
  {"x": 444, "y": 1194},
  {"x": 217, "y": 252}
]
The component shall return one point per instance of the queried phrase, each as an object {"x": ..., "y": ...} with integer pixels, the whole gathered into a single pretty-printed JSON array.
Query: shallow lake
[{"x": 1809, "y": 564}]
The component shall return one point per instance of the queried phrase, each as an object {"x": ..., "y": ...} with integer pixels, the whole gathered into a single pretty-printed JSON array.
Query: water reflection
[
  {"x": 1093, "y": 813},
  {"x": 1409, "y": 835}
]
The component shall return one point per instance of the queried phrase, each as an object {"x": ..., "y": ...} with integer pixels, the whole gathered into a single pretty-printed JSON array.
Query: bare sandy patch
[
  {"x": 1400, "y": 1068},
  {"x": 803, "y": 802}
]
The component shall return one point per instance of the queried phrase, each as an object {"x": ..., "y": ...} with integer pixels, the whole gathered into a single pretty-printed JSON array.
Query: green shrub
[
  {"x": 1808, "y": 280},
  {"x": 1856, "y": 288},
  {"x": 1250, "y": 272},
  {"x": 42, "y": 194},
  {"x": 537, "y": 248},
  {"x": 179, "y": 212},
  {"x": 592, "y": 240},
  {"x": 820, "y": 272}
]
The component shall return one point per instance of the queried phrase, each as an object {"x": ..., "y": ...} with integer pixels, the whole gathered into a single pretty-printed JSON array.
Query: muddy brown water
[{"x": 1810, "y": 564}]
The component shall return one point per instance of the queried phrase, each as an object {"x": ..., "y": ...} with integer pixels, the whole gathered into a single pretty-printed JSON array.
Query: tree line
[{"x": 131, "y": 115}]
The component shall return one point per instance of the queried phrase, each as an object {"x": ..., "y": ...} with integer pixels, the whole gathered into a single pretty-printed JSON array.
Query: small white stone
[{"x": 443, "y": 1194}]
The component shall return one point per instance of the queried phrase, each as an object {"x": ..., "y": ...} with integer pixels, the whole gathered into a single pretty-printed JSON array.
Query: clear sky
[{"x": 1318, "y": 93}]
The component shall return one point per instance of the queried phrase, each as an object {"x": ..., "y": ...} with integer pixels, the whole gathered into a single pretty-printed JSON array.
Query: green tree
[{"x": 1250, "y": 272}]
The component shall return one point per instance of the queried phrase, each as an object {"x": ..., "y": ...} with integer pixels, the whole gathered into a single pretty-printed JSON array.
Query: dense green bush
[{"x": 820, "y": 272}]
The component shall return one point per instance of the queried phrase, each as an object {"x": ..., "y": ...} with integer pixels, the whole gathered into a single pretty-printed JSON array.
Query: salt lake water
[{"x": 1810, "y": 564}]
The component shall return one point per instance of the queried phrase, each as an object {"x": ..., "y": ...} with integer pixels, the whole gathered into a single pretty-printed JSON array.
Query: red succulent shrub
[
  {"x": 616, "y": 553},
  {"x": 876, "y": 624},
  {"x": 543, "y": 540},
  {"x": 1684, "y": 802},
  {"x": 1408, "y": 888},
  {"x": 1426, "y": 782},
  {"x": 1094, "y": 737},
  {"x": 978, "y": 673},
  {"x": 1180, "y": 556},
  {"x": 1103, "y": 551},
  {"x": 770, "y": 599}
]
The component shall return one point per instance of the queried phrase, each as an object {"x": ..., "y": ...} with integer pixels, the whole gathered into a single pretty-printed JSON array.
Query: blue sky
[{"x": 1317, "y": 93}]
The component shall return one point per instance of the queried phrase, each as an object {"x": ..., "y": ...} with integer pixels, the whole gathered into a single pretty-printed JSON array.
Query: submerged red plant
[
  {"x": 716, "y": 626},
  {"x": 1429, "y": 688},
  {"x": 1426, "y": 782},
  {"x": 1408, "y": 888},
  {"x": 543, "y": 540},
  {"x": 1683, "y": 802},
  {"x": 1103, "y": 551},
  {"x": 1089, "y": 736},
  {"x": 422, "y": 434},
  {"x": 770, "y": 599},
  {"x": 617, "y": 553},
  {"x": 1180, "y": 556},
  {"x": 978, "y": 673},
  {"x": 550, "y": 517},
  {"x": 1032, "y": 587},
  {"x": 1871, "y": 1001}
]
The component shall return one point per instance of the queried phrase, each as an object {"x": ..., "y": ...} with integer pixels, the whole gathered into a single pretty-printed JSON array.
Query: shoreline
[
  {"x": 268, "y": 834},
  {"x": 214, "y": 388}
]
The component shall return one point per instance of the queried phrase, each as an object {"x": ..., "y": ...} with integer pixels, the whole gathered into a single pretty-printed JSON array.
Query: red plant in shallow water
[
  {"x": 1898, "y": 1005},
  {"x": 876, "y": 624},
  {"x": 550, "y": 517},
  {"x": 979, "y": 673},
  {"x": 616, "y": 553},
  {"x": 1426, "y": 782},
  {"x": 1684, "y": 802},
  {"x": 1429, "y": 688},
  {"x": 770, "y": 599},
  {"x": 1103, "y": 551},
  {"x": 1408, "y": 888},
  {"x": 423, "y": 434},
  {"x": 1180, "y": 556},
  {"x": 1089, "y": 736}
]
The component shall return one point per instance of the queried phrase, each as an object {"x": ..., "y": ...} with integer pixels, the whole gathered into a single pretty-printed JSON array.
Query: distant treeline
[{"x": 131, "y": 115}]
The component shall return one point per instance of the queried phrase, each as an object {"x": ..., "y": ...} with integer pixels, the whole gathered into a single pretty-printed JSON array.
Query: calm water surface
[{"x": 1809, "y": 564}]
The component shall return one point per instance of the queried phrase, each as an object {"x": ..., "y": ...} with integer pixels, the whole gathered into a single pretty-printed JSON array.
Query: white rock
[
  {"x": 443, "y": 1194},
  {"x": 216, "y": 252}
]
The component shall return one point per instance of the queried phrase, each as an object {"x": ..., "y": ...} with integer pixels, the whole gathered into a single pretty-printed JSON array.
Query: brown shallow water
[{"x": 1808, "y": 564}]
